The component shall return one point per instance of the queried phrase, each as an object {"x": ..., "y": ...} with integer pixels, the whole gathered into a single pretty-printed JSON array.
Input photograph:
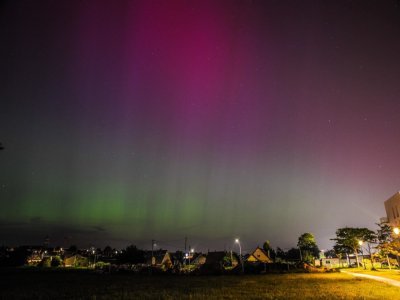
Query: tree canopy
[
  {"x": 308, "y": 247},
  {"x": 349, "y": 240}
]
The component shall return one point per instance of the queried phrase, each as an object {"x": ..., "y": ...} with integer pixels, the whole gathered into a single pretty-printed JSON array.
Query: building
[
  {"x": 259, "y": 255},
  {"x": 392, "y": 207},
  {"x": 159, "y": 258}
]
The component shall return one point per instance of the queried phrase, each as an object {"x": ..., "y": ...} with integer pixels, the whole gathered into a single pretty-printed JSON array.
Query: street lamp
[
  {"x": 191, "y": 251},
  {"x": 240, "y": 253},
  {"x": 362, "y": 252}
]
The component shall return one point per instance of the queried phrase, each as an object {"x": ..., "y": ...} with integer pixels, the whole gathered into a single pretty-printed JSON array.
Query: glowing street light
[
  {"x": 240, "y": 254},
  {"x": 360, "y": 242},
  {"x": 191, "y": 251}
]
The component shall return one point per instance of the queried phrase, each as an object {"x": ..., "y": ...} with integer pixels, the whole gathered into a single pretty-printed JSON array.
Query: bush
[
  {"x": 56, "y": 261},
  {"x": 45, "y": 263}
]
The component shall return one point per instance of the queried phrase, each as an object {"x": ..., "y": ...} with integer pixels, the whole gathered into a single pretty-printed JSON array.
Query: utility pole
[
  {"x": 185, "y": 243},
  {"x": 185, "y": 254},
  {"x": 189, "y": 256}
]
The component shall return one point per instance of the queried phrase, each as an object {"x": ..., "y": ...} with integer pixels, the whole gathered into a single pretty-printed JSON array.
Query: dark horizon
[{"x": 138, "y": 120}]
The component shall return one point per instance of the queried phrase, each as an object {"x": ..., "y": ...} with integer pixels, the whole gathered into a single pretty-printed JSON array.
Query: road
[{"x": 378, "y": 278}]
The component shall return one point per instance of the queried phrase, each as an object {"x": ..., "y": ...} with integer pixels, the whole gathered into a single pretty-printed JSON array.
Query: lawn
[{"x": 31, "y": 284}]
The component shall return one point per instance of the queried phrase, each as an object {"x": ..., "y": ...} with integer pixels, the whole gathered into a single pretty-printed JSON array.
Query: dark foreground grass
[{"x": 31, "y": 284}]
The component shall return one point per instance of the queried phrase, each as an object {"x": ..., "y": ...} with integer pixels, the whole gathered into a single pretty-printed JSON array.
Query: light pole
[
  {"x": 237, "y": 241},
  {"x": 94, "y": 259},
  {"x": 191, "y": 251},
  {"x": 362, "y": 253}
]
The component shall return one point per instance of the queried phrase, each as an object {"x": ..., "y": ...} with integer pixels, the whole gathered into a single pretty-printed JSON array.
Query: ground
[{"x": 33, "y": 284}]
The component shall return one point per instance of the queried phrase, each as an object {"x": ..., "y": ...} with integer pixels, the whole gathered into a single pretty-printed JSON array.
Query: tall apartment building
[{"x": 392, "y": 207}]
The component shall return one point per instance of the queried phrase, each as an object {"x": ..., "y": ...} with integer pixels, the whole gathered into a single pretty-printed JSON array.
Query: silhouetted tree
[
  {"x": 108, "y": 251},
  {"x": 308, "y": 247},
  {"x": 385, "y": 241},
  {"x": 270, "y": 251},
  {"x": 73, "y": 249},
  {"x": 348, "y": 240},
  {"x": 18, "y": 257},
  {"x": 132, "y": 255},
  {"x": 330, "y": 253},
  {"x": 293, "y": 254},
  {"x": 56, "y": 261}
]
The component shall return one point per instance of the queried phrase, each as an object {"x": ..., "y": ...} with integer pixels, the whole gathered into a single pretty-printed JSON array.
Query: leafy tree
[
  {"x": 18, "y": 257},
  {"x": 280, "y": 253},
  {"x": 270, "y": 251},
  {"x": 369, "y": 237},
  {"x": 56, "y": 261},
  {"x": 132, "y": 255},
  {"x": 45, "y": 262},
  {"x": 348, "y": 240},
  {"x": 330, "y": 253},
  {"x": 293, "y": 254},
  {"x": 308, "y": 247},
  {"x": 108, "y": 251},
  {"x": 73, "y": 249},
  {"x": 384, "y": 237}
]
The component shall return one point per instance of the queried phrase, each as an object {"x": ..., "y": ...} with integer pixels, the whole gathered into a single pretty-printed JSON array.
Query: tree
[
  {"x": 132, "y": 255},
  {"x": 369, "y": 237},
  {"x": 73, "y": 249},
  {"x": 384, "y": 239},
  {"x": 348, "y": 240},
  {"x": 280, "y": 253},
  {"x": 292, "y": 254},
  {"x": 56, "y": 261},
  {"x": 108, "y": 251},
  {"x": 270, "y": 251},
  {"x": 308, "y": 247},
  {"x": 330, "y": 253}
]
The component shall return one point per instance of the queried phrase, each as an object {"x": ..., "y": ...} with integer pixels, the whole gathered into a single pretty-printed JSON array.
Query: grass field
[{"x": 31, "y": 284}]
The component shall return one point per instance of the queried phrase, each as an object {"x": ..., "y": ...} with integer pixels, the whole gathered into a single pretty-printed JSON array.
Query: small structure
[
  {"x": 214, "y": 262},
  {"x": 75, "y": 260},
  {"x": 159, "y": 258},
  {"x": 392, "y": 207},
  {"x": 199, "y": 259},
  {"x": 258, "y": 256}
]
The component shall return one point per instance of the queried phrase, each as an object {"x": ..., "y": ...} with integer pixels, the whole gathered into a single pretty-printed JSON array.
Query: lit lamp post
[
  {"x": 191, "y": 251},
  {"x": 94, "y": 259},
  {"x": 362, "y": 252},
  {"x": 240, "y": 254}
]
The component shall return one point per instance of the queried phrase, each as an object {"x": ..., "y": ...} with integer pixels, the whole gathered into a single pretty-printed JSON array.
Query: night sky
[{"x": 126, "y": 121}]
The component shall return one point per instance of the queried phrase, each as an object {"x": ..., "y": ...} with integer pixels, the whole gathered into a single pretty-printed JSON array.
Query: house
[
  {"x": 199, "y": 259},
  {"x": 214, "y": 261},
  {"x": 392, "y": 207},
  {"x": 76, "y": 261},
  {"x": 159, "y": 258},
  {"x": 259, "y": 256}
]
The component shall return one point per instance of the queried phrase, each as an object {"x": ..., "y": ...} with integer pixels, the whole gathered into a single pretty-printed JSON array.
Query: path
[{"x": 378, "y": 278}]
